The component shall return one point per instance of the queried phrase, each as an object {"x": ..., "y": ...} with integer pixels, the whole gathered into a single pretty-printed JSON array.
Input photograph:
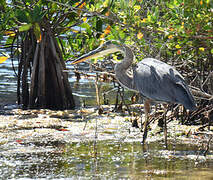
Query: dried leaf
[
  {"x": 107, "y": 30},
  {"x": 170, "y": 36},
  {"x": 10, "y": 33},
  {"x": 19, "y": 141},
  {"x": 179, "y": 52},
  {"x": 140, "y": 35},
  {"x": 62, "y": 129},
  {"x": 3, "y": 58},
  {"x": 107, "y": 13}
]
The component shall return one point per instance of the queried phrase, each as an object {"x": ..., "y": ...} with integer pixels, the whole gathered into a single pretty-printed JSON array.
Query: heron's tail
[
  {"x": 190, "y": 103},
  {"x": 187, "y": 100}
]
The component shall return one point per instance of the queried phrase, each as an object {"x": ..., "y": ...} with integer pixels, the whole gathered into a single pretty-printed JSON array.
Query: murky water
[{"x": 106, "y": 160}]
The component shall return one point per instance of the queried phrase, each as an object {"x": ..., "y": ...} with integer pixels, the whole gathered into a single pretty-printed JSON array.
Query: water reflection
[{"x": 106, "y": 160}]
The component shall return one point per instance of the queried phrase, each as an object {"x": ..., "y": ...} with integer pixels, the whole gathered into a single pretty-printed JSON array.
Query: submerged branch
[{"x": 199, "y": 94}]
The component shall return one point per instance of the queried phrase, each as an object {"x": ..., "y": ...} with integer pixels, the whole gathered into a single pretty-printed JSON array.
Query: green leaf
[
  {"x": 37, "y": 31},
  {"x": 25, "y": 27},
  {"x": 38, "y": 14},
  {"x": 3, "y": 3},
  {"x": 122, "y": 34},
  {"x": 9, "y": 40},
  {"x": 87, "y": 27},
  {"x": 6, "y": 17},
  {"x": 149, "y": 18},
  {"x": 35, "y": 14},
  {"x": 22, "y": 16},
  {"x": 137, "y": 8},
  {"x": 99, "y": 24}
]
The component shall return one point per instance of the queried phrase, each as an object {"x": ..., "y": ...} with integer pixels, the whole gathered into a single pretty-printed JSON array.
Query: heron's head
[{"x": 106, "y": 48}]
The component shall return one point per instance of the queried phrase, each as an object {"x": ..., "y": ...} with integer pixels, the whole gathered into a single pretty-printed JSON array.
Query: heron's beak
[{"x": 93, "y": 54}]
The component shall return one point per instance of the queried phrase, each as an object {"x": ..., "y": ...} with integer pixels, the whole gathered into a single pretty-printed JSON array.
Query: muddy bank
[{"x": 44, "y": 127}]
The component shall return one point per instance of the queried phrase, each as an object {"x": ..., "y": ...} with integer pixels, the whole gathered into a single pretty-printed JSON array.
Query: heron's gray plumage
[
  {"x": 154, "y": 79},
  {"x": 161, "y": 82},
  {"x": 122, "y": 68}
]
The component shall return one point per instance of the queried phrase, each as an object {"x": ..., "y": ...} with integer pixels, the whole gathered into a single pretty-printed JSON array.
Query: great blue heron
[{"x": 153, "y": 79}]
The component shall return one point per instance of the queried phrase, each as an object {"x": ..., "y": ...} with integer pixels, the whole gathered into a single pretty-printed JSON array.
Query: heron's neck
[{"x": 121, "y": 68}]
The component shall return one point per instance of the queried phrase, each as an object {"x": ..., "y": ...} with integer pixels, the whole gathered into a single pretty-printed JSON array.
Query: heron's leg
[
  {"x": 165, "y": 124},
  {"x": 147, "y": 110}
]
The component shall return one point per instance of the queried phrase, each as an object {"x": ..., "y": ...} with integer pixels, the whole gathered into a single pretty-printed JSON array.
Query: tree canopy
[{"x": 176, "y": 29}]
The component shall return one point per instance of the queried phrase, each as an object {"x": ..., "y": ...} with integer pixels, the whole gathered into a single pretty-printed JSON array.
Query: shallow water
[
  {"x": 103, "y": 159},
  {"x": 83, "y": 90},
  {"x": 106, "y": 160}
]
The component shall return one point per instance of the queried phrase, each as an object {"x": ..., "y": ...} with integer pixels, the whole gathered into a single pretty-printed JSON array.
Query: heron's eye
[
  {"x": 119, "y": 56},
  {"x": 105, "y": 47}
]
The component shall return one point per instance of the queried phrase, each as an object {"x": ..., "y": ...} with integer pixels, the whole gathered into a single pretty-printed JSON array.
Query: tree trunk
[{"x": 48, "y": 86}]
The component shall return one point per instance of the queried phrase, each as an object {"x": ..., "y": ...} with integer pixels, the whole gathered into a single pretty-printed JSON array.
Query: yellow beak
[{"x": 93, "y": 54}]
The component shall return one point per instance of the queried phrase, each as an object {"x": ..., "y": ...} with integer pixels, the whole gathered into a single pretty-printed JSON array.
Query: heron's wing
[
  {"x": 161, "y": 82},
  {"x": 149, "y": 81}
]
